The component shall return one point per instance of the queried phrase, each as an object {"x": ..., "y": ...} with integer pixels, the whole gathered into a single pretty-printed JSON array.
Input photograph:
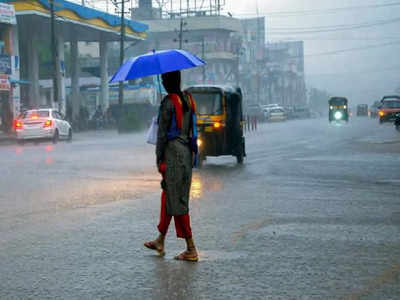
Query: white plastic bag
[{"x": 152, "y": 132}]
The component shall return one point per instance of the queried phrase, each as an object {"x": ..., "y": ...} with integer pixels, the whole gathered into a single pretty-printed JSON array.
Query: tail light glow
[
  {"x": 48, "y": 123},
  {"x": 18, "y": 124}
]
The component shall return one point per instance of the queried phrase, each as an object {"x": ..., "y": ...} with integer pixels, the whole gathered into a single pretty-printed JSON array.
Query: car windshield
[
  {"x": 208, "y": 103},
  {"x": 277, "y": 110},
  {"x": 34, "y": 114},
  {"x": 391, "y": 104}
]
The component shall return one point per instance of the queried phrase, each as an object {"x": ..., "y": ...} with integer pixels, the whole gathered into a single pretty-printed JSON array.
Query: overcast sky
[{"x": 362, "y": 75}]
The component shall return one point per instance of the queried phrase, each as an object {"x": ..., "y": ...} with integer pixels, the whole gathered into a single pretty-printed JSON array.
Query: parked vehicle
[
  {"x": 362, "y": 110},
  {"x": 219, "y": 121},
  {"x": 389, "y": 107},
  {"x": 42, "y": 124},
  {"x": 276, "y": 114},
  {"x": 338, "y": 109}
]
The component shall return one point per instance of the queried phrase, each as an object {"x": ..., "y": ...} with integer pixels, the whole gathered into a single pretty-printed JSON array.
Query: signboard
[
  {"x": 4, "y": 83},
  {"x": 5, "y": 64},
  {"x": 7, "y": 14},
  {"x": 136, "y": 96}
]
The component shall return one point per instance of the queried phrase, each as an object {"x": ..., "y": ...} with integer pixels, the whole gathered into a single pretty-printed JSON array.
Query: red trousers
[{"x": 182, "y": 223}]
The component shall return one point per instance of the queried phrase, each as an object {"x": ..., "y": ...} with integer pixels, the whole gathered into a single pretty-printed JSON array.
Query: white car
[
  {"x": 42, "y": 124},
  {"x": 276, "y": 114}
]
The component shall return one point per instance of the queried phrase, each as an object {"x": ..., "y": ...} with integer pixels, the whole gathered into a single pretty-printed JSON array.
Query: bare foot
[
  {"x": 156, "y": 245},
  {"x": 188, "y": 255}
]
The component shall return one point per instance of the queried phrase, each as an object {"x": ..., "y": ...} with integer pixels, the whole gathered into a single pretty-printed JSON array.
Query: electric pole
[
  {"x": 121, "y": 50},
  {"x": 54, "y": 51},
  {"x": 257, "y": 53},
  {"x": 121, "y": 56},
  {"x": 180, "y": 34}
]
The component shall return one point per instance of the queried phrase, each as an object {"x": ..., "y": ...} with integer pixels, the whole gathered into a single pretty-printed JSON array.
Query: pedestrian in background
[{"x": 175, "y": 158}]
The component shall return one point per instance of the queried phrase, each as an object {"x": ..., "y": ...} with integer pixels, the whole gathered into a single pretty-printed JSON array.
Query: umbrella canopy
[{"x": 155, "y": 63}]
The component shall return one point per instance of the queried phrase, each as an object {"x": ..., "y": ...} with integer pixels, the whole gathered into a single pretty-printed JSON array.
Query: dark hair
[{"x": 172, "y": 84}]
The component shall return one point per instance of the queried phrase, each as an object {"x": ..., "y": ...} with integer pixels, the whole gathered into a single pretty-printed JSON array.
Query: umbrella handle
[{"x": 159, "y": 87}]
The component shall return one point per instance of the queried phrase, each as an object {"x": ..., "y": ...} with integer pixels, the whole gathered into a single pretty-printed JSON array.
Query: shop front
[{"x": 9, "y": 92}]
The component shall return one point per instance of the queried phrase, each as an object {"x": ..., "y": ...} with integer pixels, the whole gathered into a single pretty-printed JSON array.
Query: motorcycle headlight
[
  {"x": 199, "y": 142},
  {"x": 338, "y": 115}
]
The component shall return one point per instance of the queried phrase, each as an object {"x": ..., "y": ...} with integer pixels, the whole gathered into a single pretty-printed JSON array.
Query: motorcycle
[{"x": 397, "y": 122}]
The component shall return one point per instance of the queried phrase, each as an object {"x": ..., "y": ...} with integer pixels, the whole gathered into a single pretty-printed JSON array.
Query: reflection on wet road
[{"x": 313, "y": 213}]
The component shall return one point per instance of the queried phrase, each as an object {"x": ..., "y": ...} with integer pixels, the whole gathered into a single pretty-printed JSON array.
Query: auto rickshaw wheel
[
  {"x": 240, "y": 156},
  {"x": 200, "y": 160}
]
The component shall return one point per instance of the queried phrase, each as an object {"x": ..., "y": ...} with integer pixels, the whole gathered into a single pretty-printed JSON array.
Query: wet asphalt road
[{"x": 314, "y": 213}]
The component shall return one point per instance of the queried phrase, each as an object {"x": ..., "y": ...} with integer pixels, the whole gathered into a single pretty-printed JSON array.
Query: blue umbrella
[{"x": 155, "y": 63}]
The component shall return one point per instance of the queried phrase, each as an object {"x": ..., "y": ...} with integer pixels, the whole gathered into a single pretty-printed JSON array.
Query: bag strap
[
  {"x": 192, "y": 102},
  {"x": 176, "y": 101}
]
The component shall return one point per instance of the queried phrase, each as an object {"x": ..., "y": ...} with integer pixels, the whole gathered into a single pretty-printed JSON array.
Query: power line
[
  {"x": 297, "y": 13},
  {"x": 337, "y": 26},
  {"x": 333, "y": 28},
  {"x": 391, "y": 69},
  {"x": 353, "y": 49},
  {"x": 340, "y": 39}
]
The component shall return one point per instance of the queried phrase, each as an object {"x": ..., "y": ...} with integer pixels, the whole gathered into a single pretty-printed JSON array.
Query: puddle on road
[
  {"x": 389, "y": 181},
  {"x": 364, "y": 158},
  {"x": 216, "y": 255}
]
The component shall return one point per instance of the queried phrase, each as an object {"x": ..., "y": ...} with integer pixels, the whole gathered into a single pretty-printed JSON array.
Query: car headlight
[{"x": 338, "y": 115}]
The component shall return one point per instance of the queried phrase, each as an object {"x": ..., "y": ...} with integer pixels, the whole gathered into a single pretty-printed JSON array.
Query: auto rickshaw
[
  {"x": 219, "y": 121},
  {"x": 338, "y": 109}
]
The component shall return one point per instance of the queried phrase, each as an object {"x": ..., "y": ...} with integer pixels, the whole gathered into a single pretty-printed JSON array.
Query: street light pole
[
  {"x": 122, "y": 54},
  {"x": 54, "y": 51}
]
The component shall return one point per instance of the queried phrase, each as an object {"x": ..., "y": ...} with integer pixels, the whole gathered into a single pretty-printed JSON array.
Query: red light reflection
[{"x": 49, "y": 148}]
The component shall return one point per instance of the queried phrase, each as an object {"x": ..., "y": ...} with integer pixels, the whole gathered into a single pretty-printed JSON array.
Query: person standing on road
[{"x": 175, "y": 152}]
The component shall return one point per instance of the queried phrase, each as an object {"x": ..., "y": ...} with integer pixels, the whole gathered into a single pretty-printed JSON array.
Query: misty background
[
  {"x": 351, "y": 46},
  {"x": 359, "y": 63}
]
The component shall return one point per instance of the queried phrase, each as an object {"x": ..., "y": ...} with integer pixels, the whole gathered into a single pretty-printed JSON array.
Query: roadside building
[
  {"x": 202, "y": 31},
  {"x": 253, "y": 60},
  {"x": 9, "y": 66},
  {"x": 74, "y": 24},
  {"x": 284, "y": 69}
]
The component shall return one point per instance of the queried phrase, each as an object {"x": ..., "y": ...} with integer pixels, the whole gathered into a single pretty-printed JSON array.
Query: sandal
[
  {"x": 153, "y": 246},
  {"x": 186, "y": 256}
]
